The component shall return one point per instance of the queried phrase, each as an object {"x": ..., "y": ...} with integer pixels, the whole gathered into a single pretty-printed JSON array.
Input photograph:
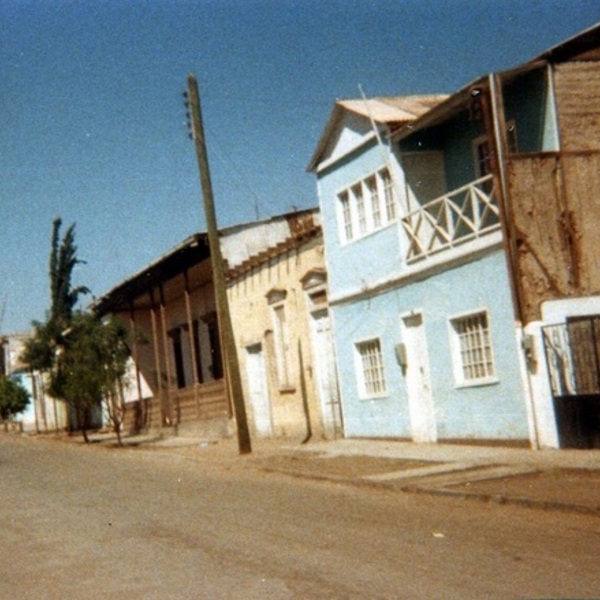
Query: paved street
[{"x": 89, "y": 522}]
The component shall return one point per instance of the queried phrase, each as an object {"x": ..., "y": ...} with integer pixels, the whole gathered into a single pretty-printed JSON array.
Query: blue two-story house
[
  {"x": 419, "y": 286},
  {"x": 462, "y": 252}
]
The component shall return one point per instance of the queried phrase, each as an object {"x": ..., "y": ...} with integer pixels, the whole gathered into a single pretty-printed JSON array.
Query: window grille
[
  {"x": 475, "y": 347},
  {"x": 372, "y": 373}
]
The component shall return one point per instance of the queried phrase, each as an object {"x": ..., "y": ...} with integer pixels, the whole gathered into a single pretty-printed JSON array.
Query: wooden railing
[
  {"x": 460, "y": 216},
  {"x": 206, "y": 401}
]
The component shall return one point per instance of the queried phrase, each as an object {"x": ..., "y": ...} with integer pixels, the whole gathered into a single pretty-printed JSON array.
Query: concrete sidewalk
[{"x": 567, "y": 480}]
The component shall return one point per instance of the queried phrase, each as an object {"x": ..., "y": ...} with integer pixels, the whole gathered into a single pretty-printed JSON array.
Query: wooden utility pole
[{"x": 228, "y": 341}]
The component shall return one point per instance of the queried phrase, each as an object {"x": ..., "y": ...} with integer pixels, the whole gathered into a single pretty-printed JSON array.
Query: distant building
[{"x": 44, "y": 414}]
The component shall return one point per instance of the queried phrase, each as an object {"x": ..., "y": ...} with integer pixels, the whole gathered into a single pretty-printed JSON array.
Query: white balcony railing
[{"x": 460, "y": 216}]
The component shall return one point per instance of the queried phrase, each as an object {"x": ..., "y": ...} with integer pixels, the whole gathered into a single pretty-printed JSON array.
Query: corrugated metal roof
[{"x": 393, "y": 109}]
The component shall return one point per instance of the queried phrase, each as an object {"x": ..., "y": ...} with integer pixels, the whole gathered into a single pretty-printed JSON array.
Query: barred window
[
  {"x": 474, "y": 358},
  {"x": 371, "y": 375}
]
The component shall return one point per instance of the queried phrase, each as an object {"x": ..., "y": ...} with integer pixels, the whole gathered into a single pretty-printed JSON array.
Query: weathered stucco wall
[
  {"x": 491, "y": 411},
  {"x": 555, "y": 204},
  {"x": 291, "y": 414}
]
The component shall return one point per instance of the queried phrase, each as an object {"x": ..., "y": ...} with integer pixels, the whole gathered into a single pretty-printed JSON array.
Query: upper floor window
[
  {"x": 346, "y": 216},
  {"x": 390, "y": 198},
  {"x": 360, "y": 208},
  {"x": 371, "y": 185}
]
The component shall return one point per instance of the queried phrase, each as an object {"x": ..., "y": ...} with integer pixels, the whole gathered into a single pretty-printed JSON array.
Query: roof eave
[{"x": 183, "y": 256}]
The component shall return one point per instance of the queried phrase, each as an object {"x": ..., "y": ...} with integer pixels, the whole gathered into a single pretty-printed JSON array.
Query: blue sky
[{"x": 92, "y": 125}]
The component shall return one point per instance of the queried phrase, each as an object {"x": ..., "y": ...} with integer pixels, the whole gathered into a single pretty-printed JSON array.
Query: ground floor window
[
  {"x": 472, "y": 349},
  {"x": 370, "y": 371}
]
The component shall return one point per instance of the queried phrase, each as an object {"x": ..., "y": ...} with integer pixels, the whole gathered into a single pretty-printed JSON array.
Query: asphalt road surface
[{"x": 91, "y": 522}]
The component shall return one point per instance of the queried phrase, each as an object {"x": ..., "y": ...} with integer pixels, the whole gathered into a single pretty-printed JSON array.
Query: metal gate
[{"x": 573, "y": 357}]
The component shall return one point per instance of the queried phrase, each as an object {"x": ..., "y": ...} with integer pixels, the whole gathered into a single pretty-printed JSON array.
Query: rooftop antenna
[
  {"x": 3, "y": 311},
  {"x": 384, "y": 149}
]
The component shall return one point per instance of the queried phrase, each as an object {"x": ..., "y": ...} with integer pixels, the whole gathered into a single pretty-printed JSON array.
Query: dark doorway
[{"x": 573, "y": 356}]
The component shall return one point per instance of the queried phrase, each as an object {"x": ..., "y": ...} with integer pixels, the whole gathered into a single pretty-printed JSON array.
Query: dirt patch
[
  {"x": 566, "y": 486},
  {"x": 343, "y": 467}
]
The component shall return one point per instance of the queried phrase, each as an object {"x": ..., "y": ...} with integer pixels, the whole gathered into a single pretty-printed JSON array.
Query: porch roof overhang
[
  {"x": 182, "y": 257},
  {"x": 443, "y": 111},
  {"x": 583, "y": 46}
]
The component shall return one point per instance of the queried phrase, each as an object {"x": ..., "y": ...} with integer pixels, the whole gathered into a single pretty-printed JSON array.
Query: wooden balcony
[{"x": 455, "y": 219}]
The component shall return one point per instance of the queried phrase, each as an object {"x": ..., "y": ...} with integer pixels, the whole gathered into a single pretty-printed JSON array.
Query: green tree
[
  {"x": 38, "y": 352},
  {"x": 14, "y": 398},
  {"x": 91, "y": 369},
  {"x": 85, "y": 358},
  {"x": 41, "y": 349},
  {"x": 63, "y": 297}
]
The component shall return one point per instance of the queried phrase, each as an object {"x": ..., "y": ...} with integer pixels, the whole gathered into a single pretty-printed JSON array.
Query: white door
[
  {"x": 326, "y": 376},
  {"x": 258, "y": 390},
  {"x": 418, "y": 382}
]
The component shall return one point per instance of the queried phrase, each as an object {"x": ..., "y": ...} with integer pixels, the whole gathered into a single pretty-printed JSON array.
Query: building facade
[
  {"x": 469, "y": 310},
  {"x": 419, "y": 288},
  {"x": 44, "y": 414},
  {"x": 176, "y": 376},
  {"x": 279, "y": 306}
]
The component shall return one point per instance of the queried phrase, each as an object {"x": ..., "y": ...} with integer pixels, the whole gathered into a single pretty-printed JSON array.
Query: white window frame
[
  {"x": 391, "y": 203},
  {"x": 472, "y": 351},
  {"x": 371, "y": 186},
  {"x": 370, "y": 374},
  {"x": 360, "y": 210},
  {"x": 345, "y": 216}
]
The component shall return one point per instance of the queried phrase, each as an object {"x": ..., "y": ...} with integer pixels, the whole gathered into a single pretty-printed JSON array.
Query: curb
[
  {"x": 415, "y": 488},
  {"x": 507, "y": 500}
]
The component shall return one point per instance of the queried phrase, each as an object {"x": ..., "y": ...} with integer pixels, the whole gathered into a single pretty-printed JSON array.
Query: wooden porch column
[
  {"x": 165, "y": 340},
  {"x": 192, "y": 343},
  {"x": 138, "y": 379},
  {"x": 159, "y": 382}
]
